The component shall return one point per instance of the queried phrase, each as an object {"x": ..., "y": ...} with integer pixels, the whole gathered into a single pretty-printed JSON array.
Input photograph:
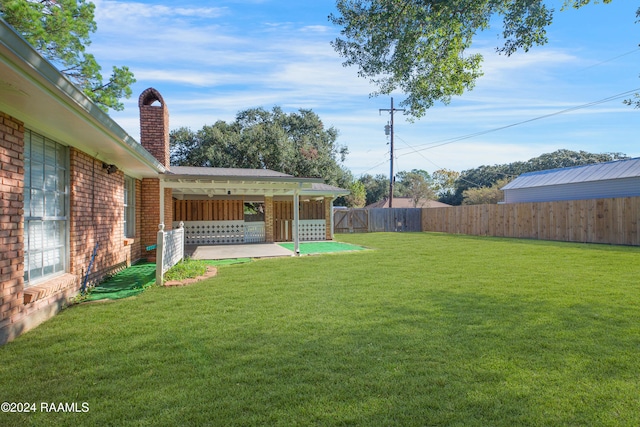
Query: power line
[
  {"x": 607, "y": 60},
  {"x": 567, "y": 110}
]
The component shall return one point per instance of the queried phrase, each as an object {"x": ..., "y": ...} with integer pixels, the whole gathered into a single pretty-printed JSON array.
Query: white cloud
[{"x": 117, "y": 10}]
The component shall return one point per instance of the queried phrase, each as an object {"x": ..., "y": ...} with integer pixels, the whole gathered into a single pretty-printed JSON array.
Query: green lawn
[{"x": 427, "y": 329}]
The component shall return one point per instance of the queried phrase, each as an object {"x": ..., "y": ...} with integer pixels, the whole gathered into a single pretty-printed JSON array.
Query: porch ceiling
[{"x": 183, "y": 188}]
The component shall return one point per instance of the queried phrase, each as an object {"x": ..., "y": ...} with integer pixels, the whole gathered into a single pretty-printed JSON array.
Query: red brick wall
[
  {"x": 11, "y": 219},
  {"x": 151, "y": 214},
  {"x": 328, "y": 213},
  {"x": 97, "y": 216},
  {"x": 269, "y": 230}
]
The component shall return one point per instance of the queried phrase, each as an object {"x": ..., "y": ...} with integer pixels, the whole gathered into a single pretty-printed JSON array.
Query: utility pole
[{"x": 391, "y": 111}]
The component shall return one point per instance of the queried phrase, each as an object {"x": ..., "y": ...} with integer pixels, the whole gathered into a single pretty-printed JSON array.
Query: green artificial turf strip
[
  {"x": 428, "y": 329},
  {"x": 309, "y": 248},
  {"x": 129, "y": 282}
]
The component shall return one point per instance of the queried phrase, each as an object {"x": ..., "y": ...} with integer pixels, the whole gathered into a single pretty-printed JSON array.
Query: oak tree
[{"x": 421, "y": 47}]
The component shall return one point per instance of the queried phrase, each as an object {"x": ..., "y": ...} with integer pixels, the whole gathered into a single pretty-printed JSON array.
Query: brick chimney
[{"x": 154, "y": 125}]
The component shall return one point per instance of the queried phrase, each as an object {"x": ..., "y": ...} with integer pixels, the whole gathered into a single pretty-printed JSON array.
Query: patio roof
[{"x": 192, "y": 181}]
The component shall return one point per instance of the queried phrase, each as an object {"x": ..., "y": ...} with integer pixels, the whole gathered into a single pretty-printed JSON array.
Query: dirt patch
[{"x": 211, "y": 272}]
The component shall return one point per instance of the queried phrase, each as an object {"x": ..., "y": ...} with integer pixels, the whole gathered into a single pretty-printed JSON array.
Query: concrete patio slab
[{"x": 257, "y": 250}]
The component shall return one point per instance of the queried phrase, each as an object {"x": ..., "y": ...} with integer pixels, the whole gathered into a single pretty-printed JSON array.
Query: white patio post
[
  {"x": 161, "y": 201},
  {"x": 296, "y": 220},
  {"x": 160, "y": 255},
  {"x": 331, "y": 213}
]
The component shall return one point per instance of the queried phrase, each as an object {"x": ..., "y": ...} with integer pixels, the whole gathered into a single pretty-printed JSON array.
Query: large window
[
  {"x": 45, "y": 207},
  {"x": 129, "y": 207}
]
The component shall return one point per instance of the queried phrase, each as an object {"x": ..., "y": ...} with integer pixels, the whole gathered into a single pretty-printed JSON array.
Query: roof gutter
[{"x": 40, "y": 73}]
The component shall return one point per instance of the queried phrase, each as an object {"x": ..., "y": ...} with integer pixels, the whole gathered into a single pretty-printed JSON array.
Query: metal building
[{"x": 620, "y": 178}]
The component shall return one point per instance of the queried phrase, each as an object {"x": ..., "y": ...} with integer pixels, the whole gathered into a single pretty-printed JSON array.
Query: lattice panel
[
  {"x": 214, "y": 232},
  {"x": 173, "y": 248},
  {"x": 312, "y": 229},
  {"x": 254, "y": 232}
]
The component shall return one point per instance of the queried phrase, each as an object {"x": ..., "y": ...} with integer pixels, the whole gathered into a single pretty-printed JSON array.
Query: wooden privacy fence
[
  {"x": 283, "y": 220},
  {"x": 379, "y": 219},
  {"x": 613, "y": 221},
  {"x": 208, "y": 210},
  {"x": 395, "y": 219}
]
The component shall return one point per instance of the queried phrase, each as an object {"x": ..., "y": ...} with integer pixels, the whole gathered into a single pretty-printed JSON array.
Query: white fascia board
[{"x": 33, "y": 91}]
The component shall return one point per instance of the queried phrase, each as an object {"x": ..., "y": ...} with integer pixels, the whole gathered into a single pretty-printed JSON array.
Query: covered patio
[{"x": 228, "y": 206}]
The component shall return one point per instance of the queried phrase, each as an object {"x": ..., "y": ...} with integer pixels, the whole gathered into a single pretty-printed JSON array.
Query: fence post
[
  {"x": 182, "y": 241},
  {"x": 160, "y": 255}
]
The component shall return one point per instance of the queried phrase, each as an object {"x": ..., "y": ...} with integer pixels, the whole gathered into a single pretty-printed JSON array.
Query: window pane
[
  {"x": 48, "y": 260},
  {"x": 61, "y": 154},
  {"x": 37, "y": 203},
  {"x": 35, "y": 266},
  {"x": 60, "y": 205},
  {"x": 50, "y": 208},
  {"x": 58, "y": 265},
  {"x": 37, "y": 175},
  {"x": 51, "y": 177},
  {"x": 45, "y": 196},
  {"x": 27, "y": 145},
  {"x": 27, "y": 172},
  {"x": 35, "y": 235},
  {"x": 50, "y": 153},
  {"x": 37, "y": 148},
  {"x": 61, "y": 180},
  {"x": 27, "y": 206}
]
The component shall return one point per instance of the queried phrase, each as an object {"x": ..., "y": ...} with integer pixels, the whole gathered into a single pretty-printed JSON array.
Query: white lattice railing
[
  {"x": 236, "y": 232},
  {"x": 213, "y": 232},
  {"x": 312, "y": 230},
  {"x": 169, "y": 249},
  {"x": 254, "y": 232}
]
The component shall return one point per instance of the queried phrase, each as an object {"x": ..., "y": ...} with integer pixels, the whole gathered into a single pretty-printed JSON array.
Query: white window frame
[
  {"x": 129, "y": 216},
  {"x": 46, "y": 208}
]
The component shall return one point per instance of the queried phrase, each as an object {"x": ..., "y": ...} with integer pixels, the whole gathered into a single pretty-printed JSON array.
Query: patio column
[
  {"x": 328, "y": 217},
  {"x": 269, "y": 233},
  {"x": 162, "y": 201},
  {"x": 296, "y": 221}
]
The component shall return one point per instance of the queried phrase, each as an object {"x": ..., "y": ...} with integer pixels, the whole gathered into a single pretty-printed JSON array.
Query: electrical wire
[{"x": 545, "y": 116}]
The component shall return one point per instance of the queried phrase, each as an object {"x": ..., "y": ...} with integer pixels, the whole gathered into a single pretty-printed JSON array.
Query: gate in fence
[
  {"x": 380, "y": 219},
  {"x": 351, "y": 221}
]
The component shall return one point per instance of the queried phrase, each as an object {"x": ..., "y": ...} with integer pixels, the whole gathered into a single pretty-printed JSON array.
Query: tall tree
[
  {"x": 417, "y": 185},
  {"x": 421, "y": 46},
  {"x": 635, "y": 101},
  {"x": 60, "y": 30},
  {"x": 297, "y": 144},
  {"x": 357, "y": 196},
  {"x": 376, "y": 187},
  {"x": 444, "y": 181},
  {"x": 485, "y": 195}
]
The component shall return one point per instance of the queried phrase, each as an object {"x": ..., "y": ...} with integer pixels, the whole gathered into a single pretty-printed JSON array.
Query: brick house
[{"x": 73, "y": 182}]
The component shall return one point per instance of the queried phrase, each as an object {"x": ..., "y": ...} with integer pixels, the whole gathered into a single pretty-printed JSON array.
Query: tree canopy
[
  {"x": 60, "y": 30},
  {"x": 421, "y": 46},
  {"x": 296, "y": 143}
]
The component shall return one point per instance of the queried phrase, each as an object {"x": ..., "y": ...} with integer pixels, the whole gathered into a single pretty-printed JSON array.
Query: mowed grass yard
[{"x": 426, "y": 329}]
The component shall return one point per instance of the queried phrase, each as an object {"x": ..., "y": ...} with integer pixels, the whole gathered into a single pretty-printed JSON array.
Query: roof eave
[{"x": 36, "y": 93}]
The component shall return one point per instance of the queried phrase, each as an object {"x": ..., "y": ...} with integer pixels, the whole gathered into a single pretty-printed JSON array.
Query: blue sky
[{"x": 210, "y": 60}]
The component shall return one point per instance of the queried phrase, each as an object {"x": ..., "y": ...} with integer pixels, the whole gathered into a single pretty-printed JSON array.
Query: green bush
[{"x": 186, "y": 269}]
